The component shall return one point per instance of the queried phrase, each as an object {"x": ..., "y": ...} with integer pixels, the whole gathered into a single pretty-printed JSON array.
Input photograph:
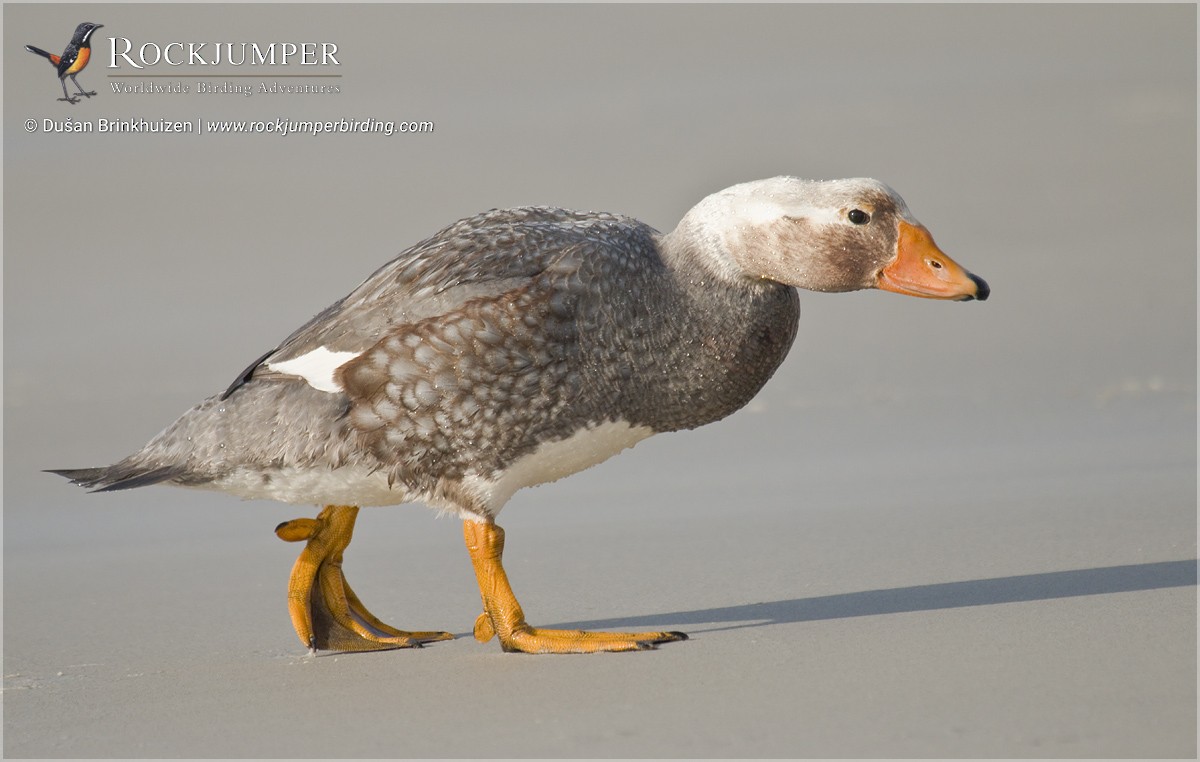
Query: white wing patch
[{"x": 316, "y": 368}]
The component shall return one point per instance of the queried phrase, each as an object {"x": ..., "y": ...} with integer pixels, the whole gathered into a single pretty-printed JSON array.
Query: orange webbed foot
[
  {"x": 502, "y": 615},
  {"x": 325, "y": 611}
]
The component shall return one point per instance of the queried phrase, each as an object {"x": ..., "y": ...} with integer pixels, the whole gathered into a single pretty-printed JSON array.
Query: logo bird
[{"x": 73, "y": 60}]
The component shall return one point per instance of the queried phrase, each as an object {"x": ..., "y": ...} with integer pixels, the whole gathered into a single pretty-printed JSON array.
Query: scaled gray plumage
[{"x": 476, "y": 345}]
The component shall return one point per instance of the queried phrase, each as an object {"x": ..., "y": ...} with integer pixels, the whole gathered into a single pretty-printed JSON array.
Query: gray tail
[{"x": 109, "y": 478}]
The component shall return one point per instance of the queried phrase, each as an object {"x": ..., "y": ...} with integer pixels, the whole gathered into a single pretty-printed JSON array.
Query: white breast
[{"x": 554, "y": 460}]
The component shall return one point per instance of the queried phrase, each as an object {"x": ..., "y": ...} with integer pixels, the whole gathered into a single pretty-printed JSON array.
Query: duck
[{"x": 515, "y": 348}]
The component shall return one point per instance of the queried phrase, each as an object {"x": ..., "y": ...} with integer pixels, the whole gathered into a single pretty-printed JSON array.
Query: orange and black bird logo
[{"x": 73, "y": 60}]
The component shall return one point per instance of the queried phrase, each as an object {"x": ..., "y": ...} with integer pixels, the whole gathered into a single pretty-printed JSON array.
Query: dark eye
[{"x": 858, "y": 216}]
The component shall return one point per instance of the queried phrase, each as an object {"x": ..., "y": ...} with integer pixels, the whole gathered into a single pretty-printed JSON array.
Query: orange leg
[
  {"x": 502, "y": 615},
  {"x": 326, "y": 613}
]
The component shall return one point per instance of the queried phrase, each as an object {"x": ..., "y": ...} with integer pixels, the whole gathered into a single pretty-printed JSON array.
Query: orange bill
[{"x": 921, "y": 269}]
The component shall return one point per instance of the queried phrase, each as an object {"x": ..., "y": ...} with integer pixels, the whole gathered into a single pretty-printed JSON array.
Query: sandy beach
[{"x": 942, "y": 529}]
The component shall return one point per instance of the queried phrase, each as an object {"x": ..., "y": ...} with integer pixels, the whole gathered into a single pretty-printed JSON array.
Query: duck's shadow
[{"x": 945, "y": 595}]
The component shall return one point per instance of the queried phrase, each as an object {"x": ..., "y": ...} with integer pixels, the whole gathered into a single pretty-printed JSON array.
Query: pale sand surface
[{"x": 942, "y": 530}]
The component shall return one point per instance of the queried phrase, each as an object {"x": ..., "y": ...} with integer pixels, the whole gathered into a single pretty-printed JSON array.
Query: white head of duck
[{"x": 821, "y": 235}]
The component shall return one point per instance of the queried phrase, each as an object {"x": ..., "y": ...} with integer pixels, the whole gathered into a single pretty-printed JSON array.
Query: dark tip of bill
[{"x": 982, "y": 290}]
